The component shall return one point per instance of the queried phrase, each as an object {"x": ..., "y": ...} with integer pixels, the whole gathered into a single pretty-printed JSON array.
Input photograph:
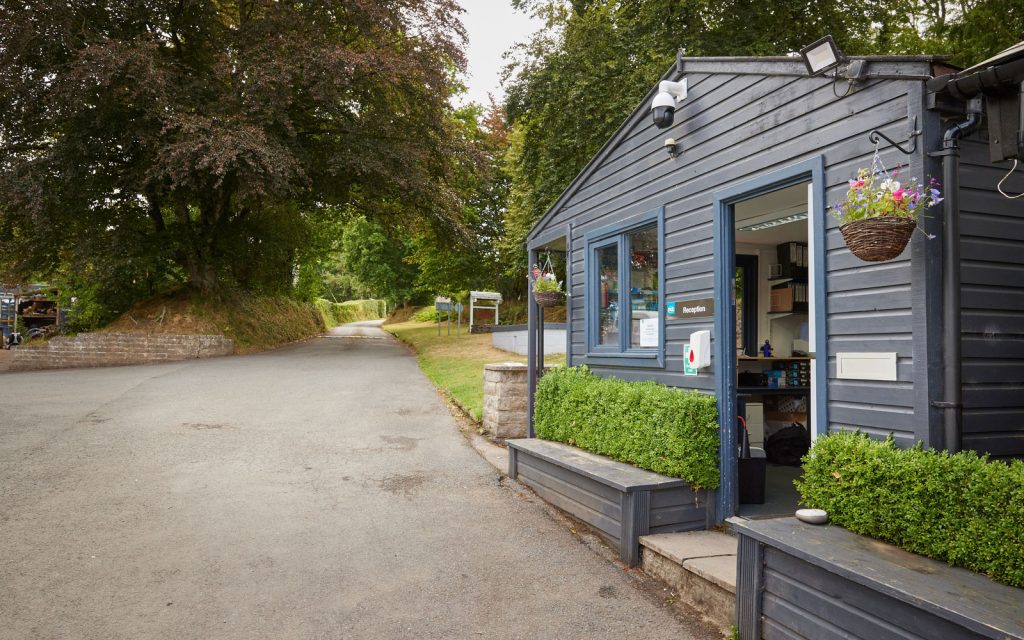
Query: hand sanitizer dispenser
[{"x": 700, "y": 349}]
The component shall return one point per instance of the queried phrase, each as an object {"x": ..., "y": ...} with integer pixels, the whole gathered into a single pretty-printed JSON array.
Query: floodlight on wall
[
  {"x": 821, "y": 56},
  {"x": 672, "y": 147}
]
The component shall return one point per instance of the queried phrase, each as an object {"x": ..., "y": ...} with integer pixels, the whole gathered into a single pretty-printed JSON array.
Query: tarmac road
[{"x": 321, "y": 490}]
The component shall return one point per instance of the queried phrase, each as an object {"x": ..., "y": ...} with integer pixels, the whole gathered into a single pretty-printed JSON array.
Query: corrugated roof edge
[{"x": 671, "y": 74}]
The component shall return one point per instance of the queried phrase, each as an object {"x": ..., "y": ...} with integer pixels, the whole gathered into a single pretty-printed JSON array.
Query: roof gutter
[{"x": 994, "y": 78}]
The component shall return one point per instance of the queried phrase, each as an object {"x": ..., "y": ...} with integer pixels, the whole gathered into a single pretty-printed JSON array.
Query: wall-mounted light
[
  {"x": 672, "y": 147},
  {"x": 821, "y": 56},
  {"x": 663, "y": 107}
]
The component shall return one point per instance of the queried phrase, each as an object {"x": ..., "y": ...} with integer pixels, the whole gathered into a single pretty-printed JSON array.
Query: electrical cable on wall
[{"x": 1000, "y": 185}]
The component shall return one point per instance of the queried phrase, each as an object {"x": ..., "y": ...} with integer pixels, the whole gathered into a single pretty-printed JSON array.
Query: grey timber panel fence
[
  {"x": 619, "y": 500},
  {"x": 992, "y": 303},
  {"x": 823, "y": 582}
]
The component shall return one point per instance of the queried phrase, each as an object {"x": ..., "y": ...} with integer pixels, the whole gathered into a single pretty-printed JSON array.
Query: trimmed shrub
[
  {"x": 666, "y": 430},
  {"x": 960, "y": 508},
  {"x": 335, "y": 313},
  {"x": 429, "y": 314}
]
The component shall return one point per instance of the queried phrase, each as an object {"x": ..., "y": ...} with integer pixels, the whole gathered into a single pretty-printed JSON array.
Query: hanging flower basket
[
  {"x": 878, "y": 239},
  {"x": 547, "y": 290},
  {"x": 547, "y": 298},
  {"x": 879, "y": 214}
]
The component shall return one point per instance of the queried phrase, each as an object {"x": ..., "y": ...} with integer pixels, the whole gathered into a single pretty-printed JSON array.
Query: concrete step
[{"x": 700, "y": 566}]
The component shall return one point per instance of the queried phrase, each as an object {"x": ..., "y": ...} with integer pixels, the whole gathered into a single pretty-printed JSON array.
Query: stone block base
[{"x": 112, "y": 349}]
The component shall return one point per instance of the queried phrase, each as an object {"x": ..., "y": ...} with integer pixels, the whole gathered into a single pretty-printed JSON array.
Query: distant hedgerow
[{"x": 335, "y": 313}]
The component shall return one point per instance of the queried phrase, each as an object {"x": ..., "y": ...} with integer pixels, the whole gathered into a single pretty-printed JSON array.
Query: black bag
[{"x": 787, "y": 445}]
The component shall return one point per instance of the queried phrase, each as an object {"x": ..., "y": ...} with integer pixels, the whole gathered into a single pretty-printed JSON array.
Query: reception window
[{"x": 625, "y": 305}]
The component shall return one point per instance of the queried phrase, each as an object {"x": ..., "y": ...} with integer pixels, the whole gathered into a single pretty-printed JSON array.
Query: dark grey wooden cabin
[{"x": 750, "y": 125}]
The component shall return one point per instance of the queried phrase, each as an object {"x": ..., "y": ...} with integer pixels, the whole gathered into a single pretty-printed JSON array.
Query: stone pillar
[{"x": 505, "y": 392}]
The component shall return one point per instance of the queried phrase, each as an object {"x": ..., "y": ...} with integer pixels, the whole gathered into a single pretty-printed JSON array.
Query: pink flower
[
  {"x": 898, "y": 194},
  {"x": 856, "y": 184}
]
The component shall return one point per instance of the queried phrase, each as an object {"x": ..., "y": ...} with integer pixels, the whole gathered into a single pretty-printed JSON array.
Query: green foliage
[
  {"x": 577, "y": 79},
  {"x": 336, "y": 313},
  {"x": 219, "y": 137},
  {"x": 959, "y": 508},
  {"x": 428, "y": 314},
  {"x": 547, "y": 284},
  {"x": 467, "y": 258},
  {"x": 455, "y": 363},
  {"x": 264, "y": 322},
  {"x": 670, "y": 431},
  {"x": 379, "y": 261}
]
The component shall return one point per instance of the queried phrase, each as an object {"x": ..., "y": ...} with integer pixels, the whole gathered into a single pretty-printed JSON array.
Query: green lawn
[{"x": 456, "y": 364}]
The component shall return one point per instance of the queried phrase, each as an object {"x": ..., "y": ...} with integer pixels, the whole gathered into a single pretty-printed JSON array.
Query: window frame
[{"x": 623, "y": 355}]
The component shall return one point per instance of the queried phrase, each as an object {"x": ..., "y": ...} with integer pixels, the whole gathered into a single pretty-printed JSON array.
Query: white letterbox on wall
[{"x": 700, "y": 349}]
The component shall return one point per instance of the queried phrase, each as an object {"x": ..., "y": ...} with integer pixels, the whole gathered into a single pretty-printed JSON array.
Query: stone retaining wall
[
  {"x": 112, "y": 349},
  {"x": 505, "y": 390}
]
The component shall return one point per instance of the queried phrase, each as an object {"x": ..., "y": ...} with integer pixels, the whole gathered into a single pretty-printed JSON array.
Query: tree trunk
[{"x": 201, "y": 274}]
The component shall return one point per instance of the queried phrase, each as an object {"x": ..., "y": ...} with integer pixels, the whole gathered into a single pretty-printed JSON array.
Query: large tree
[
  {"x": 574, "y": 82},
  {"x": 212, "y": 134}
]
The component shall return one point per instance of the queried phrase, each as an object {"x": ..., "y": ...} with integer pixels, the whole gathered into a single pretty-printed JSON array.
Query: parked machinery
[{"x": 27, "y": 312}]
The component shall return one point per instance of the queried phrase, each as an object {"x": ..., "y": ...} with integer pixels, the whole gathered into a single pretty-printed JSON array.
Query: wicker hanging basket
[
  {"x": 547, "y": 298},
  {"x": 878, "y": 239}
]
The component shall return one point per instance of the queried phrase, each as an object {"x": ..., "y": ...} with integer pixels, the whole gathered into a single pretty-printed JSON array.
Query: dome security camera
[{"x": 663, "y": 106}]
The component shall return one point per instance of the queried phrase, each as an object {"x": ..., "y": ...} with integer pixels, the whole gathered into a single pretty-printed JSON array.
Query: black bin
[{"x": 752, "y": 477}]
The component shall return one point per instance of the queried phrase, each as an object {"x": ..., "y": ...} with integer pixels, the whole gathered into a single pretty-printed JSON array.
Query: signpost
[{"x": 443, "y": 304}]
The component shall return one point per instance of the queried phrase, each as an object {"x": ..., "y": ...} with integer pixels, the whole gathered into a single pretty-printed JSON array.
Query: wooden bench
[
  {"x": 619, "y": 500},
  {"x": 798, "y": 580}
]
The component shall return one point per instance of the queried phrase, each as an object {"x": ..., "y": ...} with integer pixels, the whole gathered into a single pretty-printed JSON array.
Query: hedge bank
[
  {"x": 336, "y": 313},
  {"x": 963, "y": 509},
  {"x": 669, "y": 431}
]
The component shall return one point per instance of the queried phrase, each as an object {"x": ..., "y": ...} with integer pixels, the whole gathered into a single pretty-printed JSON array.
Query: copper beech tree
[{"x": 212, "y": 136}]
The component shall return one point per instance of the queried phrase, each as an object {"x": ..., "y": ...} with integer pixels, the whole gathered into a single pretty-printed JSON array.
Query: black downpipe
[
  {"x": 1020, "y": 123},
  {"x": 952, "y": 404}
]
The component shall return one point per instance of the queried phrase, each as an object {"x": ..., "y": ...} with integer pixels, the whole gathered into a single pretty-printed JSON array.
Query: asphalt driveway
[{"x": 317, "y": 491}]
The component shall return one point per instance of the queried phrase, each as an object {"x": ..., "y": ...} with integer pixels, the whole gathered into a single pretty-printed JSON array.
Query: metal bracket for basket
[{"x": 911, "y": 137}]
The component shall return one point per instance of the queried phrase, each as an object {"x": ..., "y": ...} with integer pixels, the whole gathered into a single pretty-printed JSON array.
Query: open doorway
[{"x": 774, "y": 382}]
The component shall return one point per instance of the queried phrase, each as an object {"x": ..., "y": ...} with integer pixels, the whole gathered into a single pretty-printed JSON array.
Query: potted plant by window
[
  {"x": 880, "y": 213},
  {"x": 547, "y": 291}
]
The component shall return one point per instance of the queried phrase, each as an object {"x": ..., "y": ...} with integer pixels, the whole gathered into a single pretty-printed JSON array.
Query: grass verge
[{"x": 455, "y": 364}]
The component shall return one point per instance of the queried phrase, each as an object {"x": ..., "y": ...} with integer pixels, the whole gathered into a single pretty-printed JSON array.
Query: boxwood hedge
[
  {"x": 961, "y": 508},
  {"x": 670, "y": 431}
]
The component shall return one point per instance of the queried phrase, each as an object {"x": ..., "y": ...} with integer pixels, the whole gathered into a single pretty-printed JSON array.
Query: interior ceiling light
[
  {"x": 821, "y": 56},
  {"x": 768, "y": 224}
]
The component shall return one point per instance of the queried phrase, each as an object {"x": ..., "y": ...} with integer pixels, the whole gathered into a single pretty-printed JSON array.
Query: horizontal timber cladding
[
  {"x": 619, "y": 500},
  {"x": 799, "y": 581},
  {"x": 992, "y": 302},
  {"x": 801, "y": 600},
  {"x": 736, "y": 125}
]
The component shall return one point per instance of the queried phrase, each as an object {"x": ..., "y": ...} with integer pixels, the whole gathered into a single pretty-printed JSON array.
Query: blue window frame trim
[{"x": 615, "y": 356}]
